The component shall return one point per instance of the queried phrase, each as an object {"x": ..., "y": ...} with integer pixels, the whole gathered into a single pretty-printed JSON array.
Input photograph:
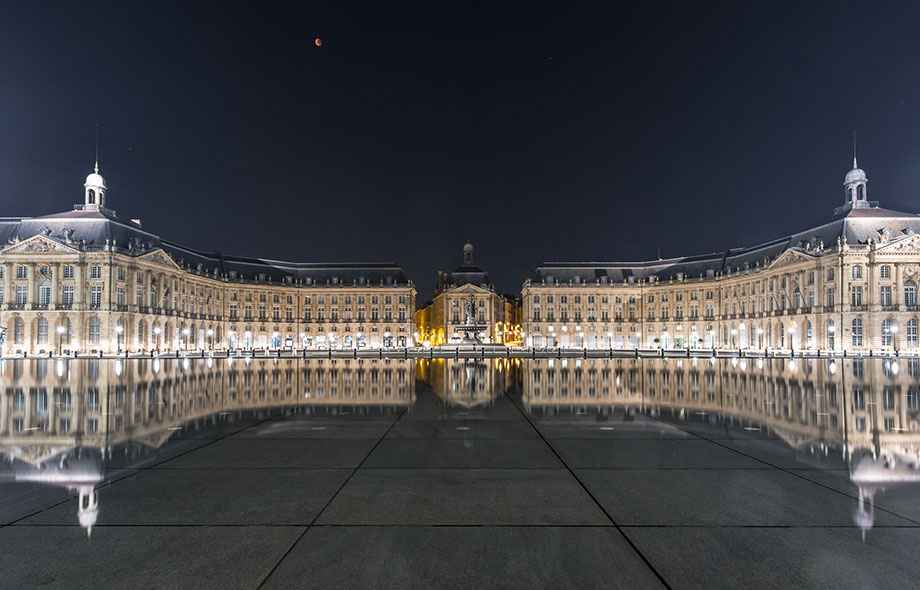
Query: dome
[
  {"x": 467, "y": 248},
  {"x": 855, "y": 175},
  {"x": 95, "y": 179}
]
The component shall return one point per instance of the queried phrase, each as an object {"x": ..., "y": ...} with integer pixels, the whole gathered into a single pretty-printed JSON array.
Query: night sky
[{"x": 538, "y": 133}]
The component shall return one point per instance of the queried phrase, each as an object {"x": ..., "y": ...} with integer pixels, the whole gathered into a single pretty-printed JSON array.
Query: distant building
[
  {"x": 88, "y": 280},
  {"x": 437, "y": 321},
  {"x": 850, "y": 283}
]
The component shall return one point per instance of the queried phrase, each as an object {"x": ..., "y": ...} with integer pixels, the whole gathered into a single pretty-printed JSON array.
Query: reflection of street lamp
[
  {"x": 60, "y": 332},
  {"x": 791, "y": 337},
  {"x": 156, "y": 332},
  {"x": 210, "y": 341},
  {"x": 119, "y": 330}
]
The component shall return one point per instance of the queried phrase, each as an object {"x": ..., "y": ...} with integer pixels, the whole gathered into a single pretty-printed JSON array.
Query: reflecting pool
[{"x": 454, "y": 472}]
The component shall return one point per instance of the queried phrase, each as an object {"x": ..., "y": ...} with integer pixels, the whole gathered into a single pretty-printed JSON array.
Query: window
[
  {"x": 830, "y": 274},
  {"x": 68, "y": 271},
  {"x": 884, "y": 272},
  {"x": 95, "y": 272},
  {"x": 67, "y": 298},
  {"x": 857, "y": 271},
  {"x": 94, "y": 330},
  {"x": 22, "y": 294},
  {"x": 910, "y": 295},
  {"x": 912, "y": 332},
  {"x": 44, "y": 295},
  {"x": 42, "y": 331},
  {"x": 22, "y": 272},
  {"x": 829, "y": 297},
  {"x": 857, "y": 332},
  {"x": 95, "y": 296},
  {"x": 856, "y": 296},
  {"x": 885, "y": 295},
  {"x": 887, "y": 335},
  {"x": 19, "y": 329},
  {"x": 120, "y": 273}
]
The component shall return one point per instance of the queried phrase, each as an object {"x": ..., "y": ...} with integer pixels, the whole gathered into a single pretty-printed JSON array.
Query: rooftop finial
[
  {"x": 96, "y": 167},
  {"x": 854, "y": 151}
]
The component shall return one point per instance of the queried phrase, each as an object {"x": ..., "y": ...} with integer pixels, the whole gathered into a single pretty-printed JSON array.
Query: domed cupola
[
  {"x": 855, "y": 185},
  {"x": 95, "y": 188}
]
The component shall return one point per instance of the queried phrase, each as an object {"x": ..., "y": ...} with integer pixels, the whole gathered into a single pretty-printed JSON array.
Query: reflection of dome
[
  {"x": 88, "y": 509},
  {"x": 467, "y": 248}
]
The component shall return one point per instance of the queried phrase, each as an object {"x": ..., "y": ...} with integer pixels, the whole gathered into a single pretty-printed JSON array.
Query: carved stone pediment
[
  {"x": 160, "y": 257},
  {"x": 468, "y": 288},
  {"x": 903, "y": 246},
  {"x": 38, "y": 245},
  {"x": 790, "y": 257}
]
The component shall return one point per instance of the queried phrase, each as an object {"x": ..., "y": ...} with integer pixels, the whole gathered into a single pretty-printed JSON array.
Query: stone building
[
  {"x": 848, "y": 284},
  {"x": 88, "y": 280},
  {"x": 437, "y": 321}
]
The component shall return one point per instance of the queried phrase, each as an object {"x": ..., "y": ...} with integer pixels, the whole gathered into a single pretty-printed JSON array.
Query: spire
[
  {"x": 855, "y": 166},
  {"x": 96, "y": 167}
]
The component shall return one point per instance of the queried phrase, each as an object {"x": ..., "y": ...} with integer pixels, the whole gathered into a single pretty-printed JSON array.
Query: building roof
[
  {"x": 854, "y": 226},
  {"x": 90, "y": 229}
]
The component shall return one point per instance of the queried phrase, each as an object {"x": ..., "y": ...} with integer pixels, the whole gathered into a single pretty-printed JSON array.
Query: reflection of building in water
[
  {"x": 466, "y": 382},
  {"x": 859, "y": 411},
  {"x": 61, "y": 421}
]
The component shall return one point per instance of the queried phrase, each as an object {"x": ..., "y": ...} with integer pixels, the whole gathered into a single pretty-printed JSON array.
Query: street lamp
[
  {"x": 60, "y": 332},
  {"x": 210, "y": 341}
]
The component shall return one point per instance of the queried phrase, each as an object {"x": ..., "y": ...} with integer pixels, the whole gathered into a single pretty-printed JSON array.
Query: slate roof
[
  {"x": 94, "y": 230},
  {"x": 855, "y": 226}
]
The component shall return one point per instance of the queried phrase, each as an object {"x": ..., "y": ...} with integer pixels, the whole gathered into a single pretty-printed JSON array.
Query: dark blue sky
[{"x": 538, "y": 133}]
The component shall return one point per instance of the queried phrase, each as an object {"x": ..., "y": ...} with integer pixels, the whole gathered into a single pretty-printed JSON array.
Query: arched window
[
  {"x": 19, "y": 331},
  {"x": 809, "y": 335},
  {"x": 912, "y": 332},
  {"x": 857, "y": 332},
  {"x": 42, "y": 330},
  {"x": 142, "y": 334},
  {"x": 861, "y": 192},
  {"x": 92, "y": 196},
  {"x": 831, "y": 335},
  {"x": 94, "y": 331}
]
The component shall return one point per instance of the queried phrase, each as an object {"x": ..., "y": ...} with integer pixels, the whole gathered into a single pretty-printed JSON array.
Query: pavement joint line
[
  {"x": 134, "y": 472},
  {"x": 584, "y": 487},
  {"x": 290, "y": 549},
  {"x": 797, "y": 473}
]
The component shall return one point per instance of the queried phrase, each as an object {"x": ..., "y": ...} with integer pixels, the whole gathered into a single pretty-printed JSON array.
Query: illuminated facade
[
  {"x": 88, "y": 280},
  {"x": 437, "y": 321},
  {"x": 849, "y": 284}
]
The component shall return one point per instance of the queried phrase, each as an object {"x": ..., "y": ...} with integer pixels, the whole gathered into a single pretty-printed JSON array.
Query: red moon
[{"x": 318, "y": 42}]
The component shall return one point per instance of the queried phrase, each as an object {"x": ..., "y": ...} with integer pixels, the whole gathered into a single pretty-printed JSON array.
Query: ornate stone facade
[
  {"x": 88, "y": 280},
  {"x": 437, "y": 321},
  {"x": 850, "y": 284}
]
